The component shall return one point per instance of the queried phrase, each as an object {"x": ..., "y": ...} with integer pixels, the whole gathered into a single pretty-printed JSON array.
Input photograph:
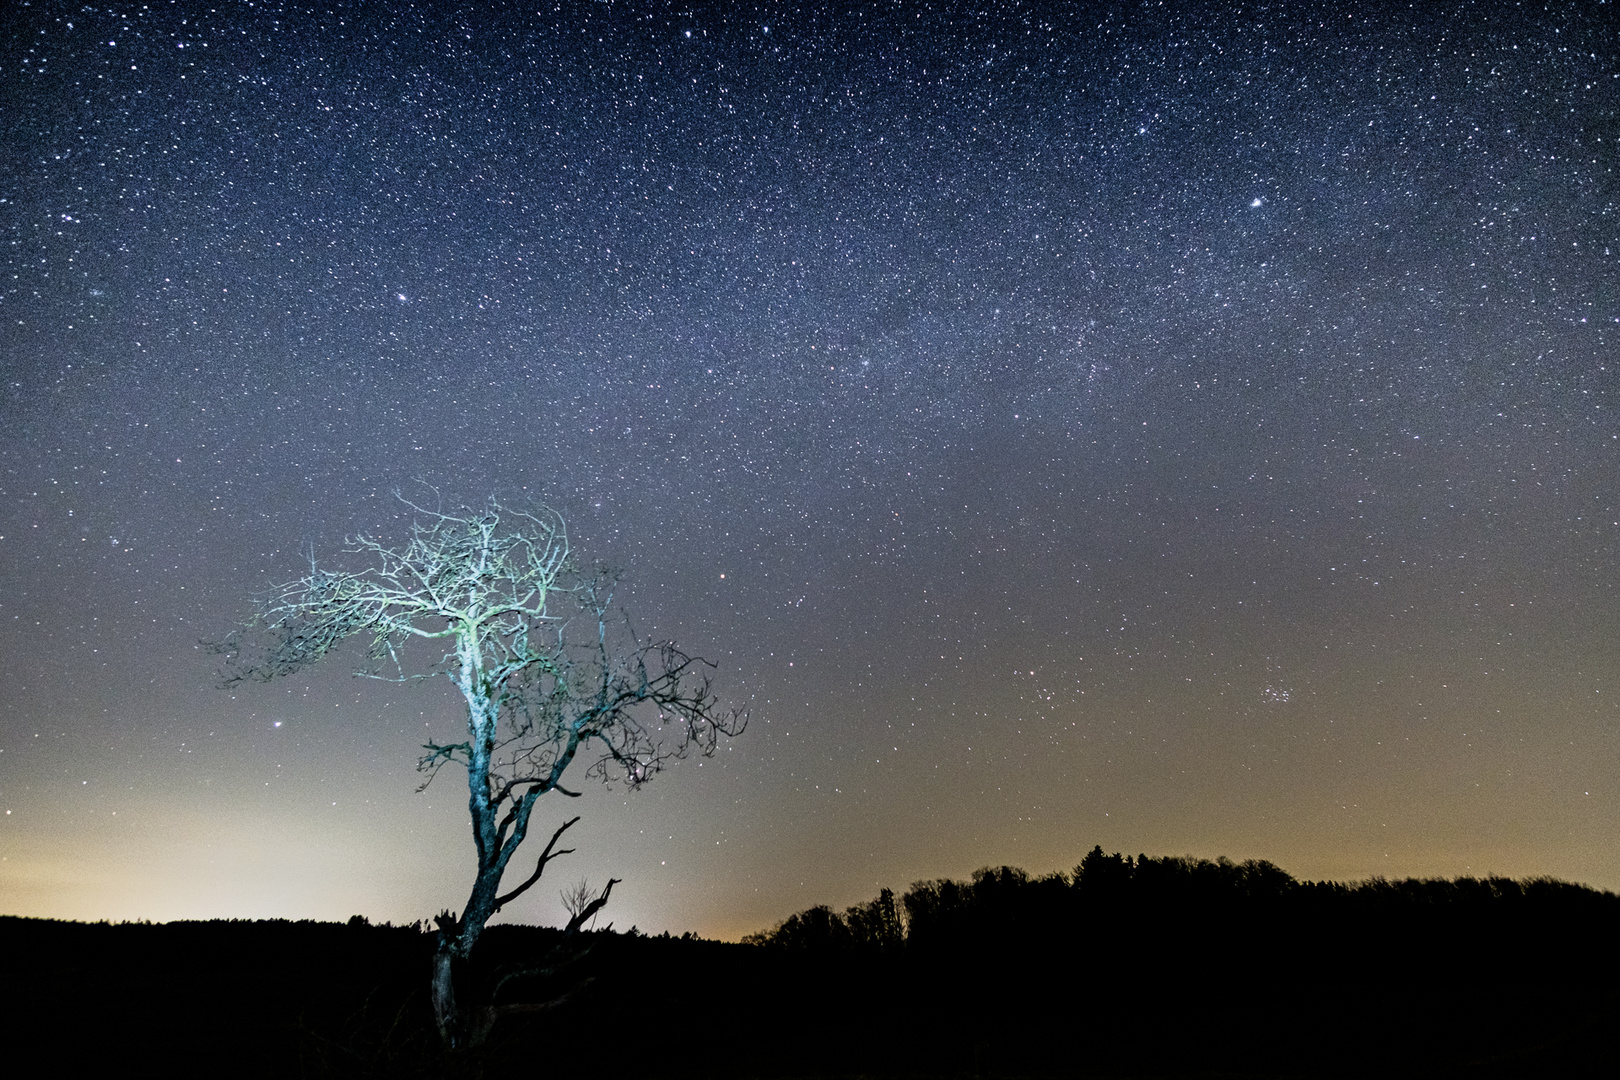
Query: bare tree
[{"x": 547, "y": 677}]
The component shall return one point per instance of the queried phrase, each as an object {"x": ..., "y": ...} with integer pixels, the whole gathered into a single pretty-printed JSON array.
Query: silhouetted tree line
[
  {"x": 876, "y": 925},
  {"x": 1007, "y": 904},
  {"x": 1183, "y": 964},
  {"x": 1127, "y": 966}
]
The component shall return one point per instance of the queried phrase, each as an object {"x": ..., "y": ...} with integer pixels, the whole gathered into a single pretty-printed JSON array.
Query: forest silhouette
[
  {"x": 1144, "y": 966},
  {"x": 1189, "y": 965}
]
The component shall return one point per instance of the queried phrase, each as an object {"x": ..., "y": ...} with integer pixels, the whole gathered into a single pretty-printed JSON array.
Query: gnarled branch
[
  {"x": 540, "y": 867},
  {"x": 584, "y": 914}
]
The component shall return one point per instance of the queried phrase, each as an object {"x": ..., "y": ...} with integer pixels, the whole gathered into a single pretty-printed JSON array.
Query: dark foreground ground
[{"x": 1481, "y": 993}]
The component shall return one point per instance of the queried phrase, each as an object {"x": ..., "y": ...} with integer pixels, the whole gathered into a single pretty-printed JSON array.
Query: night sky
[{"x": 1184, "y": 428}]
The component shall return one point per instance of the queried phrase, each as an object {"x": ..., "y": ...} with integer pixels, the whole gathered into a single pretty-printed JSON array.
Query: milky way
[{"x": 1182, "y": 431}]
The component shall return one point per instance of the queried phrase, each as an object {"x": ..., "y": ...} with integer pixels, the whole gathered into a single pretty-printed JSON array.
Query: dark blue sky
[{"x": 1184, "y": 431}]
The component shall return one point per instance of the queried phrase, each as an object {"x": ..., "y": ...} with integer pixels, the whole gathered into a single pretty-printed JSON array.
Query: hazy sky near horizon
[{"x": 1180, "y": 429}]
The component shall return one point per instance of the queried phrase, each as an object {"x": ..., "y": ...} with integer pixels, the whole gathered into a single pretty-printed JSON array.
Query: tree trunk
[
  {"x": 464, "y": 1022},
  {"x": 444, "y": 993},
  {"x": 463, "y": 1025}
]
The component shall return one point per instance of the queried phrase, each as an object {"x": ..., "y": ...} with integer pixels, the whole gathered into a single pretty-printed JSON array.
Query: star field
[{"x": 1180, "y": 431}]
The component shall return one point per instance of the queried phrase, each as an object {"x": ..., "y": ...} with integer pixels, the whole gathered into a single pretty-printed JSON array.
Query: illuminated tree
[{"x": 547, "y": 677}]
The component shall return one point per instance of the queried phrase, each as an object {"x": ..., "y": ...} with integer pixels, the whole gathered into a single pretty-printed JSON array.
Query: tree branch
[
  {"x": 584, "y": 914},
  {"x": 540, "y": 867},
  {"x": 516, "y": 1007}
]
